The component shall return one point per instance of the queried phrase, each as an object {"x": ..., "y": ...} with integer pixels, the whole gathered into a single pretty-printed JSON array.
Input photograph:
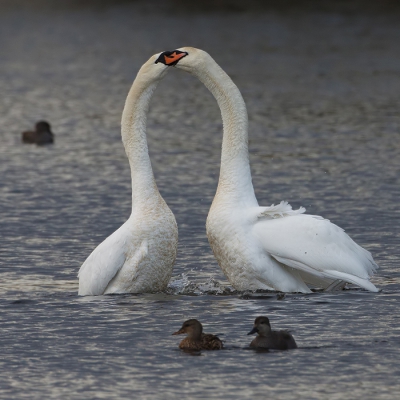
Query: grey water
[{"x": 322, "y": 90}]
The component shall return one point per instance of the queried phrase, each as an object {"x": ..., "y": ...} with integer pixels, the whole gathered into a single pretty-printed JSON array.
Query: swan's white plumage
[
  {"x": 267, "y": 247},
  {"x": 315, "y": 245},
  {"x": 139, "y": 256},
  {"x": 283, "y": 209},
  {"x": 103, "y": 263}
]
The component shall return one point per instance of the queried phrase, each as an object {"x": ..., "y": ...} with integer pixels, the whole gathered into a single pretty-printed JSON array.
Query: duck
[
  {"x": 271, "y": 248},
  {"x": 269, "y": 339},
  {"x": 196, "y": 340},
  {"x": 140, "y": 255},
  {"x": 41, "y": 135}
]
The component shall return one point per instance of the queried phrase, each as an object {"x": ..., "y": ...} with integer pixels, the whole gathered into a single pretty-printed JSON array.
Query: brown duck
[
  {"x": 269, "y": 339},
  {"x": 41, "y": 135},
  {"x": 196, "y": 339}
]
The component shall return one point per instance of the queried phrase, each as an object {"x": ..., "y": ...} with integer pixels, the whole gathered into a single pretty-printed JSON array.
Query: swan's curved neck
[
  {"x": 133, "y": 129},
  {"x": 235, "y": 183}
]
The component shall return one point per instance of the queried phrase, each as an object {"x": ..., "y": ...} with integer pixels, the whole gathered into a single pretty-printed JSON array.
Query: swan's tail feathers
[
  {"x": 335, "y": 286},
  {"x": 364, "y": 283},
  {"x": 283, "y": 209},
  {"x": 373, "y": 265},
  {"x": 330, "y": 274}
]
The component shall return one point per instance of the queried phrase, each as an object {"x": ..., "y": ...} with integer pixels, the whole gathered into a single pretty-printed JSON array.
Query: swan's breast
[
  {"x": 150, "y": 253},
  {"x": 237, "y": 254},
  {"x": 241, "y": 255}
]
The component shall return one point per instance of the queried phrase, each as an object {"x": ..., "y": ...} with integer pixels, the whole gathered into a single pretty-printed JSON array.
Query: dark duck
[
  {"x": 269, "y": 339},
  {"x": 197, "y": 340},
  {"x": 41, "y": 135}
]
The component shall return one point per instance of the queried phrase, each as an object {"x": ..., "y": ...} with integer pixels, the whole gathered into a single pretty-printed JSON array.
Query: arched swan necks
[
  {"x": 133, "y": 129},
  {"x": 235, "y": 176}
]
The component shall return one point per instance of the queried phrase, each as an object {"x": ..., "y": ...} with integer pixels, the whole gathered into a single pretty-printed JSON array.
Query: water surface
[{"x": 322, "y": 95}]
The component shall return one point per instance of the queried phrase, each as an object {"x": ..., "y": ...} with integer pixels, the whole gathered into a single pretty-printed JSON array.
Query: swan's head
[
  {"x": 194, "y": 60},
  {"x": 157, "y": 65},
  {"x": 189, "y": 59},
  {"x": 170, "y": 58},
  {"x": 261, "y": 326},
  {"x": 192, "y": 328}
]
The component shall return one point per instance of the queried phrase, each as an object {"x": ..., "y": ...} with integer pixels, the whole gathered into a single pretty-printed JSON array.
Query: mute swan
[
  {"x": 269, "y": 339},
  {"x": 41, "y": 135},
  {"x": 139, "y": 256},
  {"x": 274, "y": 247},
  {"x": 196, "y": 339}
]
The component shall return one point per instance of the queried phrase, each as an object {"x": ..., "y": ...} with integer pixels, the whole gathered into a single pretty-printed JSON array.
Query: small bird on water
[
  {"x": 41, "y": 135},
  {"x": 269, "y": 339},
  {"x": 196, "y": 339}
]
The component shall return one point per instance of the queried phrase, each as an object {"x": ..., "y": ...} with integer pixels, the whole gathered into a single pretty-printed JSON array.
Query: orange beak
[
  {"x": 174, "y": 57},
  {"x": 180, "y": 332}
]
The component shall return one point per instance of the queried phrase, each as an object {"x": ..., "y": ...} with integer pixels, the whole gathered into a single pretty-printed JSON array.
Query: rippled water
[{"x": 322, "y": 94}]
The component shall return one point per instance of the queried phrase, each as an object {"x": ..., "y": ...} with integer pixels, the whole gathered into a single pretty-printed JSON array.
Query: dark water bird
[
  {"x": 269, "y": 339},
  {"x": 196, "y": 339},
  {"x": 41, "y": 135}
]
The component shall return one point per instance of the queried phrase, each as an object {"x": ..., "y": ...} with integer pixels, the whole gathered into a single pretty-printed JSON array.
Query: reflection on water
[
  {"x": 16, "y": 283},
  {"x": 322, "y": 92}
]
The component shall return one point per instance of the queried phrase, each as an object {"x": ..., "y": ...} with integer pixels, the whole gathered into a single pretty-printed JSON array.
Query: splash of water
[{"x": 184, "y": 286}]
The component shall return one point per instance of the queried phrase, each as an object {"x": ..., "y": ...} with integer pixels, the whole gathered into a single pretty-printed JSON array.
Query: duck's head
[
  {"x": 191, "y": 327},
  {"x": 42, "y": 126},
  {"x": 261, "y": 326}
]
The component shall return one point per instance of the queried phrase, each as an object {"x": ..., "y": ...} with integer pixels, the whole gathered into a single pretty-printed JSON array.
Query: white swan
[
  {"x": 267, "y": 247},
  {"x": 140, "y": 255}
]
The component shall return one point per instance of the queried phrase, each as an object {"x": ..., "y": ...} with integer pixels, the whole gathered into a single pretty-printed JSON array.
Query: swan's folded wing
[
  {"x": 103, "y": 264},
  {"x": 315, "y": 245}
]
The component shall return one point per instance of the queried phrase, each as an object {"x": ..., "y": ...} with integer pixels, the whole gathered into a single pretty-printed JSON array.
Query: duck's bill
[
  {"x": 254, "y": 330},
  {"x": 180, "y": 332}
]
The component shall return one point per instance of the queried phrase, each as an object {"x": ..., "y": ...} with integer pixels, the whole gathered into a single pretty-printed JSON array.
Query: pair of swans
[{"x": 273, "y": 248}]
